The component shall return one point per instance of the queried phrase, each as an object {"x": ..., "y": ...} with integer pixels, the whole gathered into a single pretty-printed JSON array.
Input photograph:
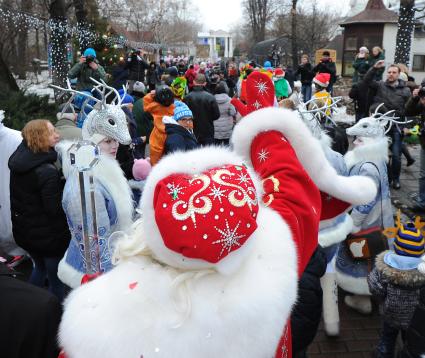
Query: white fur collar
[
  {"x": 109, "y": 173},
  {"x": 373, "y": 150},
  {"x": 238, "y": 315}
]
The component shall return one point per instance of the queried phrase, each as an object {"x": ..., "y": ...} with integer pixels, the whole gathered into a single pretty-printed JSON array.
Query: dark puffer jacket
[
  {"x": 307, "y": 312},
  {"x": 137, "y": 67},
  {"x": 178, "y": 138},
  {"x": 393, "y": 97},
  {"x": 38, "y": 221},
  {"x": 326, "y": 66},
  {"x": 205, "y": 111},
  {"x": 398, "y": 289}
]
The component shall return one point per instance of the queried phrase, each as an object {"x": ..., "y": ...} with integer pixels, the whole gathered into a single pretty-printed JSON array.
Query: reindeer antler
[
  {"x": 388, "y": 116},
  {"x": 71, "y": 90},
  {"x": 321, "y": 110}
]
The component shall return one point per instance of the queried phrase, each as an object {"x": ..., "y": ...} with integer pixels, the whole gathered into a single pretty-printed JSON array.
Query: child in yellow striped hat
[{"x": 397, "y": 282}]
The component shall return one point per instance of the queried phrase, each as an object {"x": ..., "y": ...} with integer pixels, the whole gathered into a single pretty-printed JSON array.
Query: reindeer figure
[
  {"x": 368, "y": 158},
  {"x": 105, "y": 119},
  {"x": 312, "y": 117},
  {"x": 375, "y": 126}
]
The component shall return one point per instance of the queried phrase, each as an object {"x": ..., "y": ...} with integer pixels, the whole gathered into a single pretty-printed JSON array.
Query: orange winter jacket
[{"x": 158, "y": 135}]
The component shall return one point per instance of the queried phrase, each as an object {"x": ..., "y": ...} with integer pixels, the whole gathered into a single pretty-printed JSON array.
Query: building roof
[{"x": 374, "y": 13}]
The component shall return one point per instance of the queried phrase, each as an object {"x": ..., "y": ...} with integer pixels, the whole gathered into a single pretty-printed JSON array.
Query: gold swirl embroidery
[
  {"x": 246, "y": 199},
  {"x": 192, "y": 210},
  {"x": 276, "y": 184}
]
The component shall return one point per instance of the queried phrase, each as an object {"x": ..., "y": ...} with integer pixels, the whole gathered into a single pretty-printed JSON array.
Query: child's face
[{"x": 186, "y": 122}]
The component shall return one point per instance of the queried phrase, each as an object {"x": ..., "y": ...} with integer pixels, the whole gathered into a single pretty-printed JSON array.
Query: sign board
[{"x": 319, "y": 55}]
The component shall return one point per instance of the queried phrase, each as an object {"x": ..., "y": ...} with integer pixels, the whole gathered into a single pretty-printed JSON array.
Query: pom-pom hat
[
  {"x": 200, "y": 210},
  {"x": 322, "y": 79}
]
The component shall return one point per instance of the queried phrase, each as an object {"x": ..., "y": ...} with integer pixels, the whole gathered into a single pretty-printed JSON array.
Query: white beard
[{"x": 373, "y": 150}]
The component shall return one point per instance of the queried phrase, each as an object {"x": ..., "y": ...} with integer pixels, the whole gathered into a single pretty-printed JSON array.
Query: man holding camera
[
  {"x": 87, "y": 67},
  {"x": 137, "y": 67},
  {"x": 394, "y": 95},
  {"x": 416, "y": 106}
]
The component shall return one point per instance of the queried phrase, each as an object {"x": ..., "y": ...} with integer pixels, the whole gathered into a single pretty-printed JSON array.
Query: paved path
[{"x": 359, "y": 333}]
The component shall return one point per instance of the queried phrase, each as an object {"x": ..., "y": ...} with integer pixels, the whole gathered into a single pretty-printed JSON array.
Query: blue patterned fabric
[{"x": 106, "y": 215}]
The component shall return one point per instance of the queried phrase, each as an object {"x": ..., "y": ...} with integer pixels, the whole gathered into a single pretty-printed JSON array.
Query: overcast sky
[{"x": 222, "y": 14}]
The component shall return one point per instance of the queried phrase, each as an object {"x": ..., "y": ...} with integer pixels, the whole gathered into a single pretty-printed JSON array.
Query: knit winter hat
[
  {"x": 267, "y": 65},
  {"x": 139, "y": 87},
  {"x": 403, "y": 77},
  {"x": 89, "y": 52},
  {"x": 126, "y": 98},
  {"x": 181, "y": 110},
  {"x": 322, "y": 79},
  {"x": 409, "y": 241},
  {"x": 141, "y": 168}
]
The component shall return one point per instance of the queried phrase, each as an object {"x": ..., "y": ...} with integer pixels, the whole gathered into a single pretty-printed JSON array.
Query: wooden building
[{"x": 367, "y": 28}]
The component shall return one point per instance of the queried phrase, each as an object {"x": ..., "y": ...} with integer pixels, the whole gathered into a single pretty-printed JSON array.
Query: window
[
  {"x": 351, "y": 43},
  {"x": 418, "y": 63},
  {"x": 348, "y": 69}
]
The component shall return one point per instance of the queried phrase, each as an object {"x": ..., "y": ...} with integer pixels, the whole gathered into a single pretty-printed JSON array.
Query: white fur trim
[
  {"x": 70, "y": 116},
  {"x": 108, "y": 172},
  {"x": 356, "y": 190},
  {"x": 68, "y": 275},
  {"x": 351, "y": 284},
  {"x": 336, "y": 234},
  {"x": 373, "y": 150},
  {"x": 192, "y": 162},
  {"x": 107, "y": 319}
]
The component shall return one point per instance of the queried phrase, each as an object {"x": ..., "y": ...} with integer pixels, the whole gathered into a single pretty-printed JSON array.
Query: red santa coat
[{"x": 292, "y": 173}]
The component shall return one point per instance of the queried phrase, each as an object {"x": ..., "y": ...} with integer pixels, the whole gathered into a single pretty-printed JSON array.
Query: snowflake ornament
[
  {"x": 263, "y": 155},
  {"x": 175, "y": 190},
  {"x": 257, "y": 104},
  {"x": 229, "y": 238},
  {"x": 217, "y": 192},
  {"x": 243, "y": 178},
  {"x": 262, "y": 87}
]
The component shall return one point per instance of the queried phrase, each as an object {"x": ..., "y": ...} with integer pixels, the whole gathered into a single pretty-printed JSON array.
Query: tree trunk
[
  {"x": 84, "y": 34},
  {"x": 7, "y": 81},
  {"x": 406, "y": 22},
  {"x": 58, "y": 37},
  {"x": 294, "y": 40},
  {"x": 37, "y": 42},
  {"x": 21, "y": 65}
]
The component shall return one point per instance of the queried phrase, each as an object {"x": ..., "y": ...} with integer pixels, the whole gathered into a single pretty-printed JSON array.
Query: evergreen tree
[{"x": 406, "y": 24}]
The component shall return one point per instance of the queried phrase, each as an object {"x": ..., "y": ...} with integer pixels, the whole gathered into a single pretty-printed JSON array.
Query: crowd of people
[{"x": 213, "y": 182}]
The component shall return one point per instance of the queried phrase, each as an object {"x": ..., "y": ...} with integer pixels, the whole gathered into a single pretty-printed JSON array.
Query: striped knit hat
[{"x": 409, "y": 241}]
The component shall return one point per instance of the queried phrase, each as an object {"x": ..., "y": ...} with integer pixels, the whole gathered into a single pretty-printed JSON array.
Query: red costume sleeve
[{"x": 288, "y": 190}]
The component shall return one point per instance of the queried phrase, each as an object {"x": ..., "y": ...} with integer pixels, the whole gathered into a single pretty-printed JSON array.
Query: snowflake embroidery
[
  {"x": 262, "y": 87},
  {"x": 229, "y": 238},
  {"x": 263, "y": 155},
  {"x": 217, "y": 192},
  {"x": 243, "y": 178},
  {"x": 257, "y": 104},
  {"x": 175, "y": 190}
]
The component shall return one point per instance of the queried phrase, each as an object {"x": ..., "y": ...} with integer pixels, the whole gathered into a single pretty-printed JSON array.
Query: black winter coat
[
  {"x": 306, "y": 73},
  {"x": 326, "y": 67},
  {"x": 38, "y": 221},
  {"x": 178, "y": 138},
  {"x": 30, "y": 318},
  {"x": 205, "y": 111},
  {"x": 137, "y": 67},
  {"x": 362, "y": 96},
  {"x": 393, "y": 97},
  {"x": 307, "y": 312}
]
